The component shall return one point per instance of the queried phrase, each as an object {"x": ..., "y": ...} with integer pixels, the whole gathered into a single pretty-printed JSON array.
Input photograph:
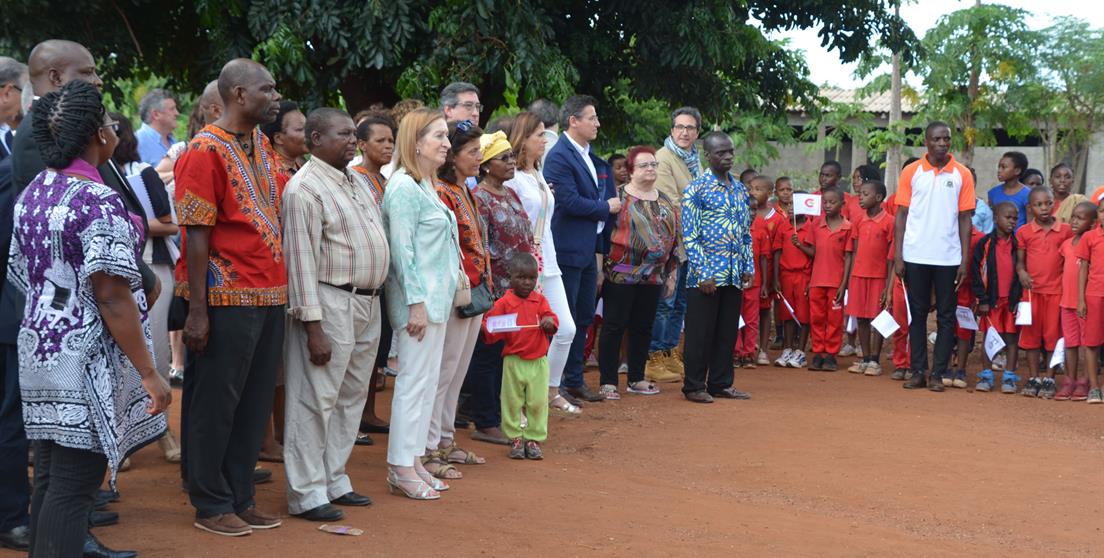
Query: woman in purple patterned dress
[{"x": 91, "y": 394}]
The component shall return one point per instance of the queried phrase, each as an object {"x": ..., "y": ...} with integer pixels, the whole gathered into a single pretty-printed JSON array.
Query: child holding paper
[
  {"x": 752, "y": 341},
  {"x": 964, "y": 336},
  {"x": 1090, "y": 301},
  {"x": 1039, "y": 267},
  {"x": 524, "y": 357},
  {"x": 1075, "y": 383},
  {"x": 792, "y": 286},
  {"x": 998, "y": 291},
  {"x": 872, "y": 274},
  {"x": 828, "y": 281}
]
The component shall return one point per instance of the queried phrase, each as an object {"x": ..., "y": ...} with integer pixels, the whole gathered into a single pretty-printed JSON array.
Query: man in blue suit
[{"x": 586, "y": 197}]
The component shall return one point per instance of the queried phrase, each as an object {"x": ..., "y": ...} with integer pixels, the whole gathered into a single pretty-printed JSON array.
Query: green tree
[
  {"x": 971, "y": 58},
  {"x": 706, "y": 53}
]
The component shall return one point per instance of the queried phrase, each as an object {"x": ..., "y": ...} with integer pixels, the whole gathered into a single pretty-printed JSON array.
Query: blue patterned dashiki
[{"x": 716, "y": 230}]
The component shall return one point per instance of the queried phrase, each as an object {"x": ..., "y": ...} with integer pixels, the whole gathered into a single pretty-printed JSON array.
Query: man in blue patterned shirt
[{"x": 716, "y": 229}]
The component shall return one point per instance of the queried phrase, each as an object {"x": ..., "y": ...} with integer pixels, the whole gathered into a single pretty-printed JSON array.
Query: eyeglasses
[
  {"x": 679, "y": 128},
  {"x": 651, "y": 165},
  {"x": 469, "y": 105},
  {"x": 113, "y": 125},
  {"x": 14, "y": 86},
  {"x": 507, "y": 156}
]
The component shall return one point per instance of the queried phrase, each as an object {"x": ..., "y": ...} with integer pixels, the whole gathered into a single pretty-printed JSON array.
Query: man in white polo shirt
[{"x": 935, "y": 201}]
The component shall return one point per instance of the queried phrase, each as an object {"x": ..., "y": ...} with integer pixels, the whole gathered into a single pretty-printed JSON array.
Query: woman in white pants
[
  {"x": 527, "y": 137},
  {"x": 461, "y": 164},
  {"x": 421, "y": 285}
]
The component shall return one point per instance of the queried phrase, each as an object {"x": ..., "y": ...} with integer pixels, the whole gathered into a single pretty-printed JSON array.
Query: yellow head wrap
[{"x": 494, "y": 145}]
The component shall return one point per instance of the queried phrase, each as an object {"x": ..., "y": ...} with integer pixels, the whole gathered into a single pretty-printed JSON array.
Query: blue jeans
[
  {"x": 581, "y": 286},
  {"x": 669, "y": 314}
]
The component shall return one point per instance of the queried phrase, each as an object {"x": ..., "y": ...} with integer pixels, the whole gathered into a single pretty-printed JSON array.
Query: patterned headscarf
[{"x": 693, "y": 163}]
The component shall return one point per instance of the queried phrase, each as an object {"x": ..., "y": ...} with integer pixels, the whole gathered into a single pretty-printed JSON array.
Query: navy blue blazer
[{"x": 580, "y": 204}]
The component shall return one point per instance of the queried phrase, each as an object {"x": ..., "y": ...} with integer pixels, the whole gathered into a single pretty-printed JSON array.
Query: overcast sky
[{"x": 826, "y": 68}]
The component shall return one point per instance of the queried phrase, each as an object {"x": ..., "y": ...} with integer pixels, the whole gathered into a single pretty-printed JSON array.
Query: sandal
[
  {"x": 558, "y": 403},
  {"x": 609, "y": 391},
  {"x": 469, "y": 458},
  {"x": 440, "y": 468},
  {"x": 643, "y": 387}
]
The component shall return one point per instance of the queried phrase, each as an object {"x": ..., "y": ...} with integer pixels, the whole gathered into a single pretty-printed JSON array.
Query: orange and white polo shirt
[{"x": 934, "y": 197}]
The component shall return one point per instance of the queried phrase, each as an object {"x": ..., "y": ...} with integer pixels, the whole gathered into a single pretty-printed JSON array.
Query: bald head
[
  {"x": 248, "y": 93},
  {"x": 55, "y": 62},
  {"x": 210, "y": 102}
]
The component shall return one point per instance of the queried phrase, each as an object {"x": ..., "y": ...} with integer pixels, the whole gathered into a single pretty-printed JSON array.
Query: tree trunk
[{"x": 893, "y": 156}]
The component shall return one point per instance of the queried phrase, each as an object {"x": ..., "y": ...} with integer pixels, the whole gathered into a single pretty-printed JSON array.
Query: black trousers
[
  {"x": 231, "y": 400},
  {"x": 15, "y": 491},
  {"x": 484, "y": 384},
  {"x": 632, "y": 308},
  {"x": 385, "y": 334},
  {"x": 920, "y": 279},
  {"x": 712, "y": 325},
  {"x": 65, "y": 484}
]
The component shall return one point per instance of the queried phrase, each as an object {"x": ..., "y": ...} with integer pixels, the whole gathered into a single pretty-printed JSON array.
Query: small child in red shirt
[
  {"x": 524, "y": 358},
  {"x": 828, "y": 282},
  {"x": 998, "y": 291},
  {"x": 752, "y": 341},
  {"x": 1090, "y": 303},
  {"x": 957, "y": 377},
  {"x": 792, "y": 286},
  {"x": 1075, "y": 383},
  {"x": 871, "y": 273},
  {"x": 1039, "y": 266}
]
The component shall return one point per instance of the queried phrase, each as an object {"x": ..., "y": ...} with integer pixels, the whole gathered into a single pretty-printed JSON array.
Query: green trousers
[{"x": 525, "y": 387}]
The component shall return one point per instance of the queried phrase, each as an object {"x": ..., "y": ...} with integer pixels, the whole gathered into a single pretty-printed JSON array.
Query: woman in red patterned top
[
  {"x": 376, "y": 142},
  {"x": 461, "y": 164},
  {"x": 644, "y": 253}
]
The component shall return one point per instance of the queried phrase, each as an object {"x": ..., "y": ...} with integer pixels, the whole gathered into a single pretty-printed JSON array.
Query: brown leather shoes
[
  {"x": 699, "y": 397},
  {"x": 259, "y": 520},
  {"x": 227, "y": 525}
]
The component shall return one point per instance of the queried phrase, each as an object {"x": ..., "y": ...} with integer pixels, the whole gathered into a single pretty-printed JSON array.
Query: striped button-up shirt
[
  {"x": 333, "y": 233},
  {"x": 716, "y": 231}
]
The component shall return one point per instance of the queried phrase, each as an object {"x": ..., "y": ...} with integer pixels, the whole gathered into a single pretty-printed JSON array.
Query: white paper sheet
[
  {"x": 993, "y": 343},
  {"x": 966, "y": 319},
  {"x": 1023, "y": 313},
  {"x": 1059, "y": 356},
  {"x": 885, "y": 324},
  {"x": 503, "y": 323}
]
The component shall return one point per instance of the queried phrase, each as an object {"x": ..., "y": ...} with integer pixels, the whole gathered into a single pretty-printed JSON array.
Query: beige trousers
[
  {"x": 460, "y": 336},
  {"x": 324, "y": 403}
]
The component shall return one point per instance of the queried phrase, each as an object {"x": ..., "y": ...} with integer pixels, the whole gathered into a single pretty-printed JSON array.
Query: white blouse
[{"x": 531, "y": 188}]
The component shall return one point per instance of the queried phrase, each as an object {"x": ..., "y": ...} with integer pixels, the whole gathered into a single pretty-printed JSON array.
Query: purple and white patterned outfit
[{"x": 79, "y": 389}]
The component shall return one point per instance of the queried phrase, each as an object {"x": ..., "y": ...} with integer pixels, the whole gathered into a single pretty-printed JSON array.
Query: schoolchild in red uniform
[
  {"x": 828, "y": 282},
  {"x": 871, "y": 274},
  {"x": 1090, "y": 304},
  {"x": 998, "y": 291},
  {"x": 1075, "y": 385}
]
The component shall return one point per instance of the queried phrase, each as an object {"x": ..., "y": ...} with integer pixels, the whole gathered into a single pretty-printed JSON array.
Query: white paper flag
[
  {"x": 742, "y": 324},
  {"x": 851, "y": 325},
  {"x": 1023, "y": 313},
  {"x": 1059, "y": 356},
  {"x": 908, "y": 311},
  {"x": 503, "y": 323},
  {"x": 966, "y": 319},
  {"x": 790, "y": 308},
  {"x": 806, "y": 204},
  {"x": 600, "y": 309},
  {"x": 885, "y": 324},
  {"x": 993, "y": 343}
]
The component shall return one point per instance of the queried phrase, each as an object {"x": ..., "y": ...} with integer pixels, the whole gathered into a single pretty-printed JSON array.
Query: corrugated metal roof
[{"x": 876, "y": 103}]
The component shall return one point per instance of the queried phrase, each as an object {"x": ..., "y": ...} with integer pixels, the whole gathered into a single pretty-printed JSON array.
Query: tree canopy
[{"x": 713, "y": 54}]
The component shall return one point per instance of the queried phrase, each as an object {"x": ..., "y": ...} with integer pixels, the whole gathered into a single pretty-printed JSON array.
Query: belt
[{"x": 358, "y": 291}]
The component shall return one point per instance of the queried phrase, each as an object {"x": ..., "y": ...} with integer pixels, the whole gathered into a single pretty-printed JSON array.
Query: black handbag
[
  {"x": 178, "y": 313},
  {"x": 482, "y": 299}
]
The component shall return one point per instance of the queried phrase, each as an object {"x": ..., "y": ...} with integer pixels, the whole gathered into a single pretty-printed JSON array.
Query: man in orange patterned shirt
[{"x": 232, "y": 272}]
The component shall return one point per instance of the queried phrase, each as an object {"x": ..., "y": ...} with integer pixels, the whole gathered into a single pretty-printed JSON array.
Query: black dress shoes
[
  {"x": 352, "y": 499},
  {"x": 18, "y": 538},
  {"x": 374, "y": 428},
  {"x": 102, "y": 518},
  {"x": 261, "y": 475},
  {"x": 325, "y": 512},
  {"x": 363, "y": 439},
  {"x": 93, "y": 548},
  {"x": 917, "y": 381}
]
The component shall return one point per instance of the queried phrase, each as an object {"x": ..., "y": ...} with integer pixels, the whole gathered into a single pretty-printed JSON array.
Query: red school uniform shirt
[
  {"x": 792, "y": 258},
  {"x": 1091, "y": 249},
  {"x": 528, "y": 343},
  {"x": 1043, "y": 261},
  {"x": 1005, "y": 269},
  {"x": 1071, "y": 270},
  {"x": 851, "y": 208},
  {"x": 874, "y": 235},
  {"x": 760, "y": 247},
  {"x": 830, "y": 249},
  {"x": 219, "y": 185}
]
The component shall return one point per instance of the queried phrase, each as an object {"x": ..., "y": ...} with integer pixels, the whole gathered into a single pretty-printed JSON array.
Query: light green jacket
[{"x": 425, "y": 251}]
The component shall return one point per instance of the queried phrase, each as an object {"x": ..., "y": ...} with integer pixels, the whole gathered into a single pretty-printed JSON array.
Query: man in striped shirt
[{"x": 337, "y": 258}]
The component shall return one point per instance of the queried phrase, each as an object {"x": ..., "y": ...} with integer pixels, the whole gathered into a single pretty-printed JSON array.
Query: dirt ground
[{"x": 816, "y": 464}]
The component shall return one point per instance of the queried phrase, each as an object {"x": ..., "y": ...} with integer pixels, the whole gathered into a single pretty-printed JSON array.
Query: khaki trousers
[
  {"x": 460, "y": 336},
  {"x": 324, "y": 403}
]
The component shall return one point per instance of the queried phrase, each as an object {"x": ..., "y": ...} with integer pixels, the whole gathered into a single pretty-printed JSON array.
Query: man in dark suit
[
  {"x": 51, "y": 65},
  {"x": 13, "y": 75},
  {"x": 586, "y": 197}
]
